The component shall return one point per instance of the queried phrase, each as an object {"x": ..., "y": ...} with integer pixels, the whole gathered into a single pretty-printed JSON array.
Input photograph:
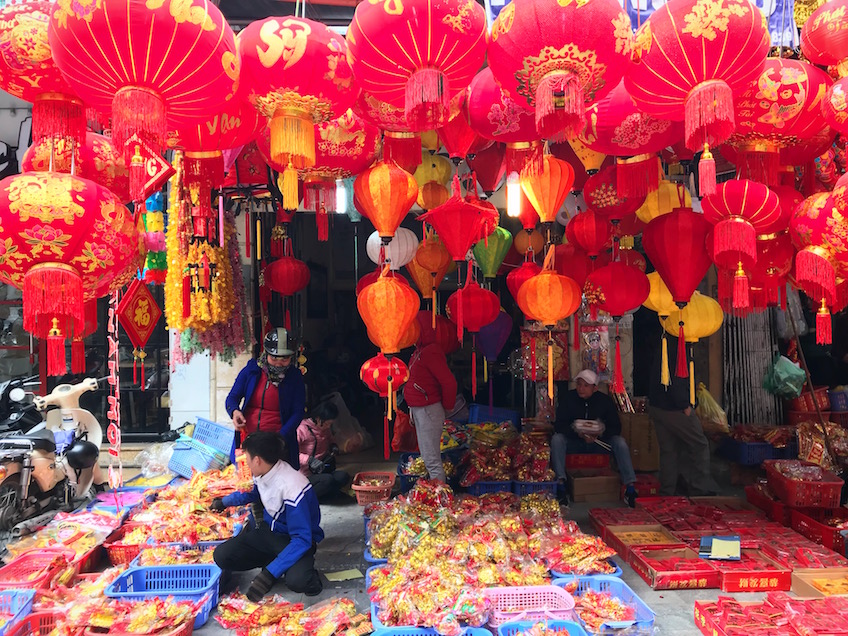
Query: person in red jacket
[{"x": 430, "y": 392}]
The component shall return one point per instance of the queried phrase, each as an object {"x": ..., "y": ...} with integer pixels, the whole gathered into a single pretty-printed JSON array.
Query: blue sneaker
[{"x": 630, "y": 496}]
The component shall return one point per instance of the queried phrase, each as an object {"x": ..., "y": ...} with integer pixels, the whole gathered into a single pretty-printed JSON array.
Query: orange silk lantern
[
  {"x": 374, "y": 276},
  {"x": 690, "y": 57},
  {"x": 549, "y": 297},
  {"x": 529, "y": 242},
  {"x": 386, "y": 193},
  {"x": 494, "y": 115},
  {"x": 433, "y": 258},
  {"x": 298, "y": 76},
  {"x": 96, "y": 160},
  {"x": 558, "y": 57},
  {"x": 417, "y": 55},
  {"x": 387, "y": 307},
  {"x": 65, "y": 240},
  {"x": 27, "y": 71},
  {"x": 431, "y": 195},
  {"x": 548, "y": 189},
  {"x": 399, "y": 145},
  {"x": 112, "y": 53}
]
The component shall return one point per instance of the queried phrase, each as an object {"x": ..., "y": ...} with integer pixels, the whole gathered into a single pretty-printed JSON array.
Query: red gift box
[
  {"x": 754, "y": 572},
  {"x": 622, "y": 538},
  {"x": 603, "y": 517},
  {"x": 673, "y": 568}
]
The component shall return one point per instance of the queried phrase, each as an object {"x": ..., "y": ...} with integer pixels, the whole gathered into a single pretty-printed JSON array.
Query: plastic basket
[
  {"x": 122, "y": 553},
  {"x": 221, "y": 438},
  {"x": 566, "y": 575},
  {"x": 776, "y": 510},
  {"x": 529, "y": 603},
  {"x": 366, "y": 494},
  {"x": 374, "y": 560},
  {"x": 203, "y": 546},
  {"x": 804, "y": 494},
  {"x": 181, "y": 630},
  {"x": 478, "y": 413},
  {"x": 810, "y": 523},
  {"x": 482, "y": 487},
  {"x": 35, "y": 624},
  {"x": 407, "y": 482},
  {"x": 619, "y": 589},
  {"x": 794, "y": 418},
  {"x": 522, "y": 488},
  {"x": 18, "y": 603},
  {"x": 746, "y": 453},
  {"x": 518, "y": 627},
  {"x": 183, "y": 582},
  {"x": 838, "y": 400},
  {"x": 190, "y": 455},
  {"x": 32, "y": 569},
  {"x": 790, "y": 451},
  {"x": 807, "y": 402}
]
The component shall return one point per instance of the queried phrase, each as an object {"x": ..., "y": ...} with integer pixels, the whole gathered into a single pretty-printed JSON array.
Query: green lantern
[{"x": 489, "y": 257}]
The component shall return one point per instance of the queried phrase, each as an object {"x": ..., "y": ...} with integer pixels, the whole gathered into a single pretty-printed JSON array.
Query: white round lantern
[{"x": 399, "y": 251}]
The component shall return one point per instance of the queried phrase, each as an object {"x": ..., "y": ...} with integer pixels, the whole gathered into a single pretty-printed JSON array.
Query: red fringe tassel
[
  {"x": 707, "y": 174},
  {"x": 760, "y": 166},
  {"x": 322, "y": 221},
  {"x": 141, "y": 111},
  {"x": 824, "y": 332},
  {"x": 427, "y": 100},
  {"x": 77, "y": 356},
  {"x": 682, "y": 371},
  {"x": 56, "y": 363},
  {"x": 815, "y": 272},
  {"x": 618, "y": 376},
  {"x": 59, "y": 116},
  {"x": 52, "y": 291},
  {"x": 527, "y": 158},
  {"x": 708, "y": 114},
  {"x": 186, "y": 295},
  {"x": 741, "y": 291},
  {"x": 560, "y": 106},
  {"x": 734, "y": 238},
  {"x": 636, "y": 178}
]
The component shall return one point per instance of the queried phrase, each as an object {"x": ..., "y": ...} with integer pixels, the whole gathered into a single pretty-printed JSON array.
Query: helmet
[
  {"x": 276, "y": 343},
  {"x": 82, "y": 454}
]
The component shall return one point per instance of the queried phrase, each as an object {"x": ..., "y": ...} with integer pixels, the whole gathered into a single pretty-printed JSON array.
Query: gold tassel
[
  {"x": 665, "y": 375},
  {"x": 389, "y": 411},
  {"x": 692, "y": 382},
  {"x": 293, "y": 138},
  {"x": 550, "y": 366},
  {"x": 291, "y": 199},
  {"x": 258, "y": 240},
  {"x": 485, "y": 370}
]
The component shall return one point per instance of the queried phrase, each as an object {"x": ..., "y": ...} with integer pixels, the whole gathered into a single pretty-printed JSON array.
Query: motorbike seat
[{"x": 42, "y": 440}]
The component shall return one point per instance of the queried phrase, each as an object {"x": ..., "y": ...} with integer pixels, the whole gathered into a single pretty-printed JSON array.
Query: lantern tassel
[
  {"x": 56, "y": 364},
  {"x": 389, "y": 395},
  {"x": 138, "y": 111},
  {"x": 386, "y": 448},
  {"x": 618, "y": 376},
  {"x": 58, "y": 115},
  {"x": 692, "y": 382},
  {"x": 737, "y": 236},
  {"x": 824, "y": 333},
  {"x": 247, "y": 234},
  {"x": 533, "y": 358},
  {"x": 560, "y": 106},
  {"x": 637, "y": 176},
  {"x": 291, "y": 198},
  {"x": 433, "y": 299},
  {"x": 707, "y": 173},
  {"x": 473, "y": 368},
  {"x": 427, "y": 99},
  {"x": 526, "y": 158},
  {"x": 322, "y": 220},
  {"x": 292, "y": 140},
  {"x": 404, "y": 148},
  {"x": 741, "y": 289},
  {"x": 681, "y": 371},
  {"x": 813, "y": 266},
  {"x": 186, "y": 295},
  {"x": 51, "y": 290},
  {"x": 708, "y": 114},
  {"x": 761, "y": 166},
  {"x": 77, "y": 356},
  {"x": 550, "y": 366},
  {"x": 665, "y": 375}
]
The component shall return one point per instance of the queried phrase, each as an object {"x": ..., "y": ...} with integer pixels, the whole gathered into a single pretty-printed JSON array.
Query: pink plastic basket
[{"x": 533, "y": 603}]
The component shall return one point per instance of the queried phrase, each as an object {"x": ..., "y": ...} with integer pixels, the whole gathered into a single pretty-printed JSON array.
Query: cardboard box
[
  {"x": 802, "y": 581},
  {"x": 778, "y": 578},
  {"x": 638, "y": 430},
  {"x": 593, "y": 486},
  {"x": 601, "y": 518},
  {"x": 622, "y": 538},
  {"x": 705, "y": 576}
]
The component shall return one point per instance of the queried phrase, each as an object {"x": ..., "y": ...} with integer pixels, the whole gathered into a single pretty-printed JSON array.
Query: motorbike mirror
[{"x": 17, "y": 395}]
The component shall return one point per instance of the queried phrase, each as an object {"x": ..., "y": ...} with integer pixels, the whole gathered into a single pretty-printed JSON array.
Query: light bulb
[
  {"x": 341, "y": 197},
  {"x": 513, "y": 195}
]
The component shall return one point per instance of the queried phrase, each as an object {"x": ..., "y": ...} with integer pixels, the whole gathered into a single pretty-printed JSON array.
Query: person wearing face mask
[
  {"x": 318, "y": 453},
  {"x": 269, "y": 394}
]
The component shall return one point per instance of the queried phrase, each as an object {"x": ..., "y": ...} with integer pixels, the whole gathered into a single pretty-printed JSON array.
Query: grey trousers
[
  {"x": 428, "y": 422},
  {"x": 684, "y": 450}
]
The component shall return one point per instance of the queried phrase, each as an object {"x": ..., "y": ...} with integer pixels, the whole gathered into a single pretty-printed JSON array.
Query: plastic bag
[
  {"x": 784, "y": 378},
  {"x": 712, "y": 416},
  {"x": 404, "y": 439},
  {"x": 154, "y": 460},
  {"x": 348, "y": 433}
]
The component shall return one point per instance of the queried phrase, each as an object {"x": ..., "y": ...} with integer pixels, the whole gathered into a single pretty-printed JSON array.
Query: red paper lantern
[
  {"x": 384, "y": 375},
  {"x": 557, "y": 57},
  {"x": 287, "y": 275},
  {"x": 97, "y": 160},
  {"x": 65, "y": 240},
  {"x": 28, "y": 71},
  {"x": 494, "y": 115},
  {"x": 399, "y": 145},
  {"x": 114, "y": 54},
  {"x": 527, "y": 215},
  {"x": 520, "y": 275},
  {"x": 633, "y": 258},
  {"x": 571, "y": 261},
  {"x": 779, "y": 111},
  {"x": 815, "y": 269},
  {"x": 459, "y": 139},
  {"x": 479, "y": 308},
  {"x": 489, "y": 166},
  {"x": 590, "y": 231},
  {"x": 621, "y": 287},
  {"x": 823, "y": 41},
  {"x": 417, "y": 55},
  {"x": 602, "y": 195},
  {"x": 691, "y": 57}
]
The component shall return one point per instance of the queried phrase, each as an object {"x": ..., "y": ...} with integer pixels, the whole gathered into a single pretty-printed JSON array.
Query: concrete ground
[{"x": 342, "y": 549}]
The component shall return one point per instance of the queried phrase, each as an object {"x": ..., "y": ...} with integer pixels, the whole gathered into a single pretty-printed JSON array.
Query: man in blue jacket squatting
[{"x": 284, "y": 542}]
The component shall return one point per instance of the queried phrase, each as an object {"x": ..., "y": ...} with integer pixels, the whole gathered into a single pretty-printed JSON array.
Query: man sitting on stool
[{"x": 586, "y": 403}]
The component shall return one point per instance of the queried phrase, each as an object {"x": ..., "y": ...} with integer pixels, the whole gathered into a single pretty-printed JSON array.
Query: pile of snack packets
[
  {"x": 415, "y": 467},
  {"x": 526, "y": 458},
  {"x": 813, "y": 448},
  {"x": 274, "y": 616},
  {"x": 444, "y": 550},
  {"x": 595, "y": 608},
  {"x": 777, "y": 615},
  {"x": 777, "y": 436}
]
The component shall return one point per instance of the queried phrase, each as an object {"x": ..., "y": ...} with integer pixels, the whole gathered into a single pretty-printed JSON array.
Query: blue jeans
[{"x": 620, "y": 451}]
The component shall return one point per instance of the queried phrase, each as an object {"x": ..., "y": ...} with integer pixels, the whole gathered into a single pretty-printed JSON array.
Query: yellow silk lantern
[
  {"x": 433, "y": 168},
  {"x": 664, "y": 200},
  {"x": 430, "y": 140}
]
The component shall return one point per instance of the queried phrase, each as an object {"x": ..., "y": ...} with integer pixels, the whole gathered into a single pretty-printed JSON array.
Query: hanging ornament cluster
[{"x": 153, "y": 217}]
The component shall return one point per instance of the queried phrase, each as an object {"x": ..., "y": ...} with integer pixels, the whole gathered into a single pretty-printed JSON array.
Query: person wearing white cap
[
  {"x": 583, "y": 416},
  {"x": 269, "y": 394}
]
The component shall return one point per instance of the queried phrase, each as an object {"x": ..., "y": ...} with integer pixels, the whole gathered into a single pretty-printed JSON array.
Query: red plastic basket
[
  {"x": 804, "y": 494},
  {"x": 182, "y": 630},
  {"x": 810, "y": 523},
  {"x": 36, "y": 624},
  {"x": 32, "y": 570},
  {"x": 366, "y": 494},
  {"x": 776, "y": 510},
  {"x": 122, "y": 553}
]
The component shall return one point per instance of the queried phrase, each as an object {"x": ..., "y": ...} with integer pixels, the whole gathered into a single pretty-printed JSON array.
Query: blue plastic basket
[
  {"x": 365, "y": 521},
  {"x": 522, "y": 488},
  {"x": 190, "y": 455},
  {"x": 370, "y": 559},
  {"x": 18, "y": 603},
  {"x": 565, "y": 575},
  {"x": 425, "y": 631},
  {"x": 838, "y": 400},
  {"x": 221, "y": 438},
  {"x": 482, "y": 487},
  {"x": 204, "y": 546},
  {"x": 182, "y": 582},
  {"x": 517, "y": 627},
  {"x": 482, "y": 413},
  {"x": 746, "y": 453},
  {"x": 615, "y": 587}
]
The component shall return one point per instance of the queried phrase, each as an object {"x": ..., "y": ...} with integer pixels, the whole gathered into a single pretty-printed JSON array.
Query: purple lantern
[{"x": 491, "y": 340}]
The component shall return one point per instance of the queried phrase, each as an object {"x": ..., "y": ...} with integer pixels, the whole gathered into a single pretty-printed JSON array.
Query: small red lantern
[
  {"x": 602, "y": 195},
  {"x": 384, "y": 375},
  {"x": 287, "y": 276},
  {"x": 520, "y": 275},
  {"x": 474, "y": 308},
  {"x": 571, "y": 261},
  {"x": 489, "y": 166},
  {"x": 590, "y": 231},
  {"x": 457, "y": 136}
]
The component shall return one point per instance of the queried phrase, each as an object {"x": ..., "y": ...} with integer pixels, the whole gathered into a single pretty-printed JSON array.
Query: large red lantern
[
  {"x": 385, "y": 193},
  {"x": 27, "y": 71},
  {"x": 589, "y": 231},
  {"x": 778, "y": 112},
  {"x": 97, "y": 160},
  {"x": 823, "y": 41},
  {"x": 675, "y": 243},
  {"x": 417, "y": 55},
  {"x": 691, "y": 56},
  {"x": 815, "y": 267},
  {"x": 495, "y": 115},
  {"x": 558, "y": 57},
  {"x": 602, "y": 194},
  {"x": 65, "y": 240},
  {"x": 113, "y": 54},
  {"x": 399, "y": 145}
]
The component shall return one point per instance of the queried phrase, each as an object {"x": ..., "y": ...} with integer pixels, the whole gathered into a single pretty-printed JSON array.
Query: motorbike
[
  {"x": 53, "y": 464},
  {"x": 15, "y": 413}
]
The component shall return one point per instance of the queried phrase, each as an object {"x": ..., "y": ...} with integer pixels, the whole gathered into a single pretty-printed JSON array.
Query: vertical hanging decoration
[
  {"x": 138, "y": 314},
  {"x": 153, "y": 217},
  {"x": 113, "y": 414}
]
